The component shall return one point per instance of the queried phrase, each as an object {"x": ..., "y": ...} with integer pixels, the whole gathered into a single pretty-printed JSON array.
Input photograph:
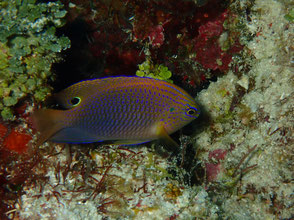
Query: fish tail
[{"x": 46, "y": 123}]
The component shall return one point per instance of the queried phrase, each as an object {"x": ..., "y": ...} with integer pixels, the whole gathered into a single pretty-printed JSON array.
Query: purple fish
[{"x": 127, "y": 110}]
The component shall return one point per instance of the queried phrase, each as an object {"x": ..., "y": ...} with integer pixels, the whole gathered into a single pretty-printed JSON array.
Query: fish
[{"x": 126, "y": 110}]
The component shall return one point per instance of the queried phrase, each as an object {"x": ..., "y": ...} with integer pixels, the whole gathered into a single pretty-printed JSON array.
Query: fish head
[
  {"x": 188, "y": 112},
  {"x": 180, "y": 114}
]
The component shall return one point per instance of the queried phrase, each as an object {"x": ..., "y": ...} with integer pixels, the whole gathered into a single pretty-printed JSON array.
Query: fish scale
[{"x": 122, "y": 109}]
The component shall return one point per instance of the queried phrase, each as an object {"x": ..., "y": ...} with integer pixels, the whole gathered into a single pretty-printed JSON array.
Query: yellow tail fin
[{"x": 47, "y": 122}]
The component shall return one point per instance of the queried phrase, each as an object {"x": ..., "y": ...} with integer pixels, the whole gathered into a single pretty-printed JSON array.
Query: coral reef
[
  {"x": 252, "y": 121},
  {"x": 157, "y": 32},
  {"x": 236, "y": 162},
  {"x": 28, "y": 48},
  {"x": 17, "y": 141},
  {"x": 214, "y": 47},
  {"x": 111, "y": 182}
]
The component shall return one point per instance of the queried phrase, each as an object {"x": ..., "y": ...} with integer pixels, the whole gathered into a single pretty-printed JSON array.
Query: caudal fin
[{"x": 47, "y": 122}]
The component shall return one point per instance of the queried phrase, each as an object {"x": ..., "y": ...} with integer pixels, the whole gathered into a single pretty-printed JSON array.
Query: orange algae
[{"x": 17, "y": 141}]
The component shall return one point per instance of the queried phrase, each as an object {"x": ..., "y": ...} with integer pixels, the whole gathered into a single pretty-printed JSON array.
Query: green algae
[
  {"x": 28, "y": 49},
  {"x": 157, "y": 71},
  {"x": 290, "y": 15}
]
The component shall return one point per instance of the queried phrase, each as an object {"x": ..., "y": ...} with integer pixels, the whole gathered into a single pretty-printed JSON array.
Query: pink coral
[
  {"x": 156, "y": 36},
  {"x": 213, "y": 169},
  {"x": 208, "y": 51},
  {"x": 218, "y": 154}
]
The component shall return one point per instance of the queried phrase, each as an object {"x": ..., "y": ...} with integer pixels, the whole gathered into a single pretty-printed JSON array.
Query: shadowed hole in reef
[
  {"x": 104, "y": 46},
  {"x": 77, "y": 64}
]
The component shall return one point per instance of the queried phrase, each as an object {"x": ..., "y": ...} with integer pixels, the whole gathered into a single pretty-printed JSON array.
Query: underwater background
[{"x": 235, "y": 58}]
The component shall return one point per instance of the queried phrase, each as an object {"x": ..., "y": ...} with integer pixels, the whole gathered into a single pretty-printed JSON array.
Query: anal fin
[{"x": 129, "y": 142}]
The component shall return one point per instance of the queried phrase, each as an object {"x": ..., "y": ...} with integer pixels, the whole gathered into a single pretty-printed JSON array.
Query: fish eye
[
  {"x": 75, "y": 101},
  {"x": 191, "y": 111}
]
